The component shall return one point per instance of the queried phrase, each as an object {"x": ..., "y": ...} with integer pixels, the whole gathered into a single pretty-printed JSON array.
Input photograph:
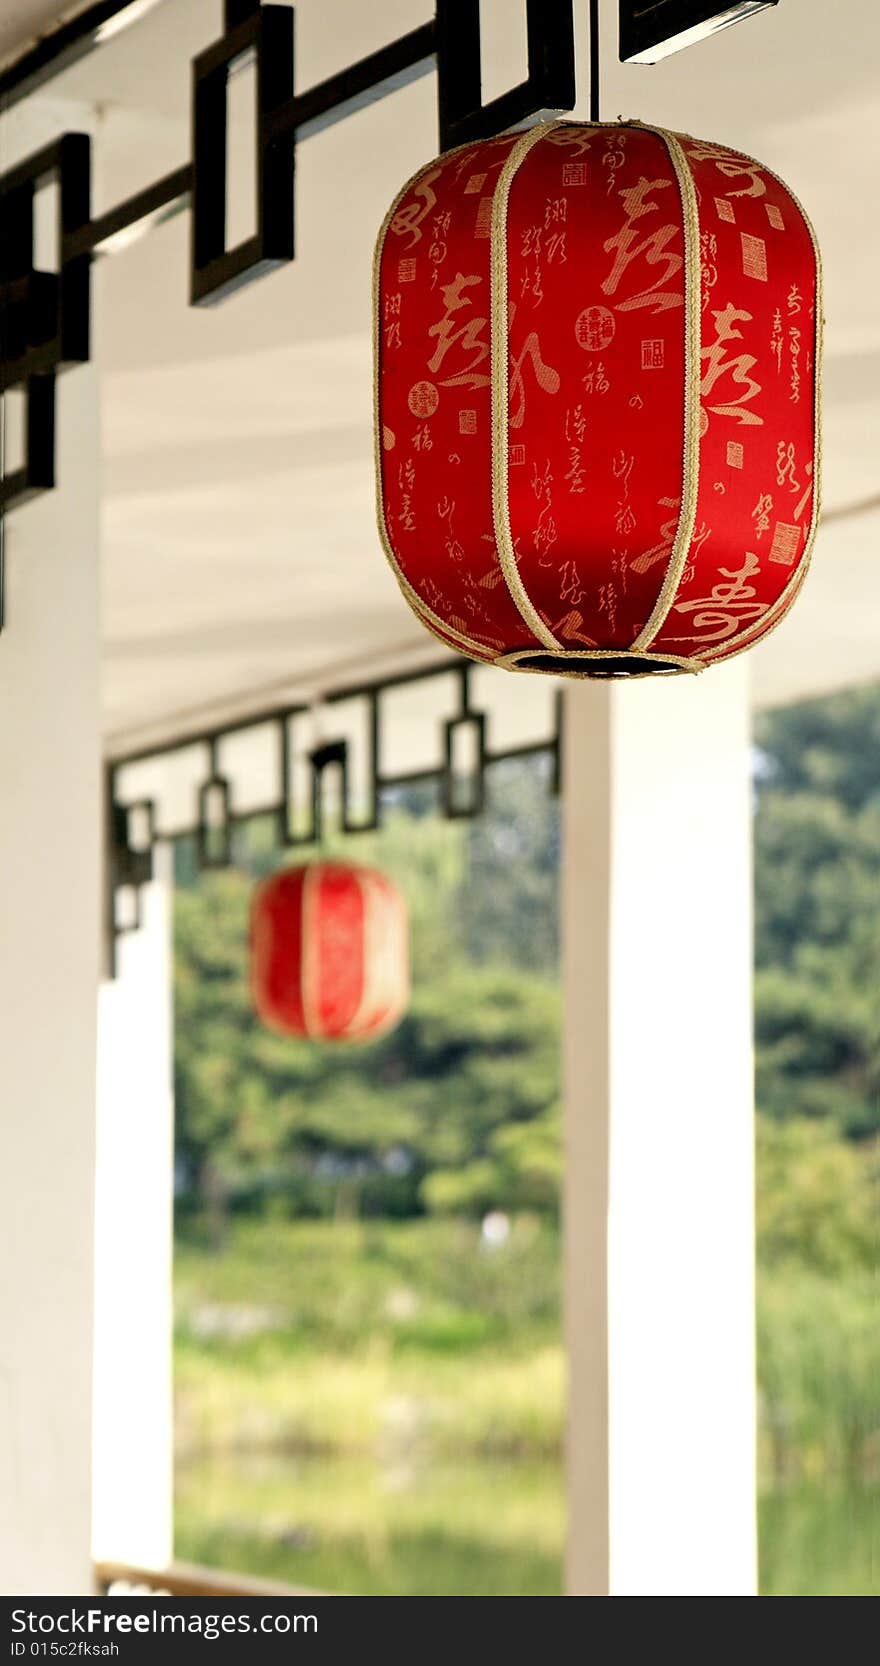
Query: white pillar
[
  {"x": 133, "y": 1461},
  {"x": 659, "y": 1137},
  {"x": 50, "y": 837}
]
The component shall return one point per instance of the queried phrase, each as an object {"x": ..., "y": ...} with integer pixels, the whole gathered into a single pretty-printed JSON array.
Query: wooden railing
[{"x": 184, "y": 1579}]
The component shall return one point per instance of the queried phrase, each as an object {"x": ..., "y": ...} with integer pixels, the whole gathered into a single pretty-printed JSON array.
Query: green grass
[
  {"x": 819, "y": 1372},
  {"x": 820, "y": 1539},
  {"x": 428, "y": 1285},
  {"x": 377, "y": 1528},
  {"x": 348, "y": 1339},
  {"x": 379, "y": 1407},
  {"x": 264, "y": 1395}
]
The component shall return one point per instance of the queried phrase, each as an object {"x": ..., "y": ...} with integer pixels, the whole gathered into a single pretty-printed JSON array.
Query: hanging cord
[{"x": 594, "y": 60}]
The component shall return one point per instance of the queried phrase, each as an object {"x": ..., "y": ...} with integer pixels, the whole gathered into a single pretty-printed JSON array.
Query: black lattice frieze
[
  {"x": 298, "y": 811},
  {"x": 652, "y": 29},
  {"x": 45, "y": 317},
  {"x": 266, "y": 34}
]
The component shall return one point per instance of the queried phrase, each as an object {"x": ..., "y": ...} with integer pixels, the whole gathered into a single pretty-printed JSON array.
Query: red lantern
[
  {"x": 329, "y": 953},
  {"x": 597, "y": 367}
]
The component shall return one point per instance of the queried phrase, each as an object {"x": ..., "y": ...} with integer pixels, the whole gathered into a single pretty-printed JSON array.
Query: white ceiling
[
  {"x": 22, "y": 20},
  {"x": 240, "y": 553}
]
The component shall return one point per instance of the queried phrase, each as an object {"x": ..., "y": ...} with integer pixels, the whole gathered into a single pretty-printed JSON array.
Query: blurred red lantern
[
  {"x": 329, "y": 952},
  {"x": 597, "y": 369}
]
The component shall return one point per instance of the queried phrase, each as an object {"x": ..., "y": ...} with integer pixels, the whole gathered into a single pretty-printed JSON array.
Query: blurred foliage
[
  {"x": 458, "y": 1109},
  {"x": 818, "y": 1198},
  {"x": 817, "y": 914},
  {"x": 301, "y": 1335},
  {"x": 430, "y": 1284},
  {"x": 392, "y": 1327},
  {"x": 828, "y": 746},
  {"x": 509, "y": 904},
  {"x": 819, "y": 1539},
  {"x": 818, "y": 1371}
]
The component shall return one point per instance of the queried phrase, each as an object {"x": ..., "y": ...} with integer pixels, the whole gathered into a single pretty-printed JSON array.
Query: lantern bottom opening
[{"x": 599, "y": 662}]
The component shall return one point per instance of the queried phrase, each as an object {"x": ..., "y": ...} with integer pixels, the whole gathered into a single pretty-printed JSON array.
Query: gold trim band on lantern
[
  {"x": 757, "y": 633},
  {"x": 500, "y": 436},
  {"x": 690, "y": 484},
  {"x": 499, "y": 333},
  {"x": 359, "y": 1023},
  {"x": 427, "y": 616},
  {"x": 385, "y": 981},
  {"x": 481, "y": 655},
  {"x": 310, "y": 953}
]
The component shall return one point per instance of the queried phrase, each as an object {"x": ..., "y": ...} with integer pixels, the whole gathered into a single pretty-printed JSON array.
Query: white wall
[
  {"x": 50, "y": 821},
  {"x": 133, "y": 1433},
  {"x": 659, "y": 1137}
]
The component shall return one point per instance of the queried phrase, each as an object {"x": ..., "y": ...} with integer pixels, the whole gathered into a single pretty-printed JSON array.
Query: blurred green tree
[
  {"x": 817, "y": 914},
  {"x": 457, "y": 1109}
]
